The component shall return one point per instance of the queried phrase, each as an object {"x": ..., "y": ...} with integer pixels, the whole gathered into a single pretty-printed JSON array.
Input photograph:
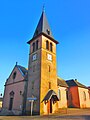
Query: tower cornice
[{"x": 55, "y": 41}]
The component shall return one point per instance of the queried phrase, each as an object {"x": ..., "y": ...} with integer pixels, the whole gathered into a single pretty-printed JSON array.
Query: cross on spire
[{"x": 43, "y": 9}]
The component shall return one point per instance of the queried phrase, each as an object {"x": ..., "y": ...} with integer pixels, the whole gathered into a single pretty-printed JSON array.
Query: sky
[{"x": 69, "y": 21}]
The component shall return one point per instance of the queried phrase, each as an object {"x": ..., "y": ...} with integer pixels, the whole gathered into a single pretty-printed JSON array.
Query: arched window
[
  {"x": 14, "y": 75},
  {"x": 84, "y": 95},
  {"x": 59, "y": 94},
  {"x": 47, "y": 45},
  {"x": 37, "y": 45},
  {"x": 51, "y": 47},
  {"x": 33, "y": 45}
]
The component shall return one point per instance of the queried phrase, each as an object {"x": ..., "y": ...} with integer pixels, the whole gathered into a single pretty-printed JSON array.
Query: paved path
[
  {"x": 45, "y": 118},
  {"x": 70, "y": 114}
]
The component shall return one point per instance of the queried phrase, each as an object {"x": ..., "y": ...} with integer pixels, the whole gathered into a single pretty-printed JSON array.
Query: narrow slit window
[
  {"x": 49, "y": 69},
  {"x": 49, "y": 85}
]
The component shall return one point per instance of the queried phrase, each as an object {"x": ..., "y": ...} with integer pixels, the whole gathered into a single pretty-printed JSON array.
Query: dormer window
[{"x": 48, "y": 31}]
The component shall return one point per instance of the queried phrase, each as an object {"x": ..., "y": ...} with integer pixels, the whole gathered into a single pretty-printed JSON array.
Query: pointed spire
[{"x": 43, "y": 26}]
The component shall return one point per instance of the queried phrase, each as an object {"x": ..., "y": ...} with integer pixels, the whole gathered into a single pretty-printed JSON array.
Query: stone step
[{"x": 6, "y": 113}]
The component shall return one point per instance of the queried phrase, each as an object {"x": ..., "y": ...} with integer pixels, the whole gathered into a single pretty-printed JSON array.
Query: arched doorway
[{"x": 11, "y": 100}]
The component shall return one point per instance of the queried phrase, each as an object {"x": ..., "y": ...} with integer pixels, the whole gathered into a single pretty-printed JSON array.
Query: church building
[
  {"x": 38, "y": 89},
  {"x": 39, "y": 83}
]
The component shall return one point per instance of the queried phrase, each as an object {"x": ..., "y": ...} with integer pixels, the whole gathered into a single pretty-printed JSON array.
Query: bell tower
[{"x": 42, "y": 71}]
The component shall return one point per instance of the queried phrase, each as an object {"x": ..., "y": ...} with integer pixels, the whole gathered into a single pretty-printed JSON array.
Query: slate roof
[
  {"x": 61, "y": 82},
  {"x": 73, "y": 82},
  {"x": 49, "y": 95},
  {"x": 43, "y": 26},
  {"x": 22, "y": 69}
]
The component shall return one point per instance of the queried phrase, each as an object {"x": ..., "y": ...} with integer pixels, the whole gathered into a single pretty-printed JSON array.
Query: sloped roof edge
[{"x": 61, "y": 82}]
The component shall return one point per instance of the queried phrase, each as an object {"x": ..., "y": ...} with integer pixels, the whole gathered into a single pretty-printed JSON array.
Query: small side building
[
  {"x": 62, "y": 93},
  {"x": 78, "y": 95},
  {"x": 15, "y": 92}
]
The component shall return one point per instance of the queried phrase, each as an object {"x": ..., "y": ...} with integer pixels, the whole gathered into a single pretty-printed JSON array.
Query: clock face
[
  {"x": 34, "y": 57},
  {"x": 49, "y": 57}
]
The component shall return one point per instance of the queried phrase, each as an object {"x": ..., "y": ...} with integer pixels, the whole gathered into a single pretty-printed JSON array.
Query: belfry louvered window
[
  {"x": 33, "y": 45},
  {"x": 47, "y": 45},
  {"x": 37, "y": 45},
  {"x": 51, "y": 49}
]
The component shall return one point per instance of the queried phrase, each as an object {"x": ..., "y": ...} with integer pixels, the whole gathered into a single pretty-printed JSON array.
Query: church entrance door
[
  {"x": 50, "y": 105},
  {"x": 11, "y": 104}
]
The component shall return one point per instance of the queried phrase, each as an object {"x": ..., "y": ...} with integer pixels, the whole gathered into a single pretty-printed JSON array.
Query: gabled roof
[
  {"x": 49, "y": 95},
  {"x": 73, "y": 82},
  {"x": 22, "y": 69},
  {"x": 43, "y": 26},
  {"x": 61, "y": 82}
]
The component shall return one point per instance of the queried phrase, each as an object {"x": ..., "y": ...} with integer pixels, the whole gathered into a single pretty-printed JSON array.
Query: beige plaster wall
[
  {"x": 62, "y": 103},
  {"x": 84, "y": 103}
]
